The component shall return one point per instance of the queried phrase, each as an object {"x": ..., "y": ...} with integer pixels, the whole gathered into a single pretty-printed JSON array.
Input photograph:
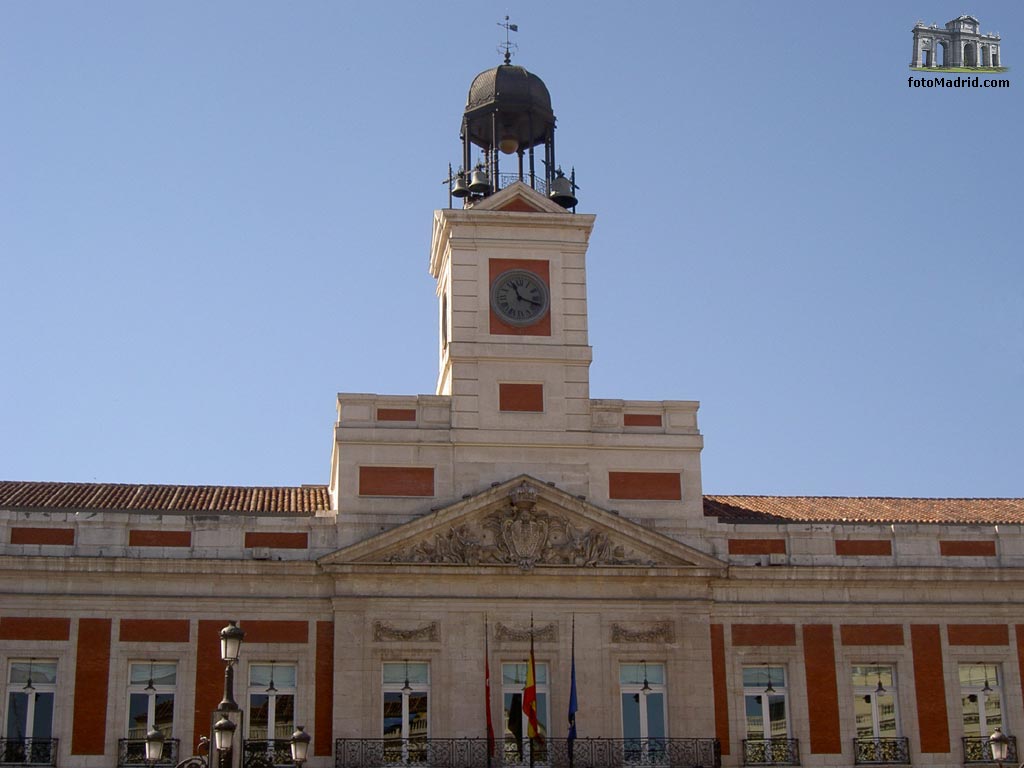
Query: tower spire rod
[{"x": 508, "y": 45}]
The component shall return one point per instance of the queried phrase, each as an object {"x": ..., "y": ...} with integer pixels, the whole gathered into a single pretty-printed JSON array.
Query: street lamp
[
  {"x": 154, "y": 745},
  {"x": 300, "y": 745},
  {"x": 999, "y": 743}
]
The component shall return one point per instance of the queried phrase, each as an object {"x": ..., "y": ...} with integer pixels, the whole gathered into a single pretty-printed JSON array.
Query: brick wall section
[
  {"x": 540, "y": 268},
  {"x": 822, "y": 689},
  {"x": 871, "y": 634},
  {"x": 153, "y": 631},
  {"x": 523, "y": 398},
  {"x": 277, "y": 539},
  {"x": 967, "y": 548},
  {"x": 721, "y": 686},
  {"x": 276, "y": 631},
  {"x": 92, "y": 678},
  {"x": 140, "y": 538},
  {"x": 930, "y": 688},
  {"x": 209, "y": 681},
  {"x": 645, "y": 486},
  {"x": 763, "y": 634},
  {"x": 31, "y": 628},
  {"x": 863, "y": 547},
  {"x": 641, "y": 419},
  {"x": 58, "y": 536},
  {"x": 978, "y": 634},
  {"x": 757, "y": 546},
  {"x": 396, "y": 481},
  {"x": 396, "y": 414},
  {"x": 323, "y": 718}
]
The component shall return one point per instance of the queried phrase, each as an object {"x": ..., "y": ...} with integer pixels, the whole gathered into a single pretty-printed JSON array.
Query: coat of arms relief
[{"x": 521, "y": 533}]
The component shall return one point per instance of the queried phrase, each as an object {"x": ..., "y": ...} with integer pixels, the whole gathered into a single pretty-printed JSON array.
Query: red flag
[
  {"x": 530, "y": 697},
  {"x": 487, "y": 695}
]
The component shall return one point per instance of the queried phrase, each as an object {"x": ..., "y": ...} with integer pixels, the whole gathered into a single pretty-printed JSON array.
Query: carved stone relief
[
  {"x": 386, "y": 633},
  {"x": 657, "y": 632},
  {"x": 518, "y": 534},
  {"x": 546, "y": 634}
]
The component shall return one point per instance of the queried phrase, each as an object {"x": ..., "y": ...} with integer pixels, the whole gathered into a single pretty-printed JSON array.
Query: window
[
  {"x": 406, "y": 692},
  {"x": 271, "y": 701},
  {"x": 981, "y": 699},
  {"x": 31, "y": 685},
  {"x": 876, "y": 717},
  {"x": 151, "y": 698},
  {"x": 513, "y": 680},
  {"x": 767, "y": 716},
  {"x": 642, "y": 693}
]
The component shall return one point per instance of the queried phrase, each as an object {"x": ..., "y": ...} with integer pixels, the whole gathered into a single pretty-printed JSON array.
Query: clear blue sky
[{"x": 215, "y": 216}]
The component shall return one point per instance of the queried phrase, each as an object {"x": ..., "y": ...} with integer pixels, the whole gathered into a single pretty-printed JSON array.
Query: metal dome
[{"x": 518, "y": 98}]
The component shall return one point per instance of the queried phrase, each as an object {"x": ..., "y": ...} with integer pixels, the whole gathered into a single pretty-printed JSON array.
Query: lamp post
[
  {"x": 300, "y": 745},
  {"x": 231, "y": 638},
  {"x": 999, "y": 743}
]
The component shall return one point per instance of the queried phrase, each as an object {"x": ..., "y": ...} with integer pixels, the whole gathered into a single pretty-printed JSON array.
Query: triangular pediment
[
  {"x": 518, "y": 196},
  {"x": 525, "y": 524}
]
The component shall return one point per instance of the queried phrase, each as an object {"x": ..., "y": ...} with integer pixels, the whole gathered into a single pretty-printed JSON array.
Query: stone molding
[
  {"x": 656, "y": 632},
  {"x": 387, "y": 633}
]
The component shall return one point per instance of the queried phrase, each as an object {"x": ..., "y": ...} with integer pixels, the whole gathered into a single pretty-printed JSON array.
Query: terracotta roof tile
[
  {"x": 123, "y": 497},
  {"x": 863, "y": 509}
]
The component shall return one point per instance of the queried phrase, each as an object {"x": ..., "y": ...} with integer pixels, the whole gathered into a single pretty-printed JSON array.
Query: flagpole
[
  {"x": 487, "y": 693},
  {"x": 531, "y": 674},
  {"x": 573, "y": 704}
]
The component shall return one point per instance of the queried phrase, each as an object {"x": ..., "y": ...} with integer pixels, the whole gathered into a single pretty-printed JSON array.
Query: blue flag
[{"x": 573, "y": 706}]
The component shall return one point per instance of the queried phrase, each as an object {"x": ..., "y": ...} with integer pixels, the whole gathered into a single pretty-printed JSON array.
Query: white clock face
[{"x": 519, "y": 297}]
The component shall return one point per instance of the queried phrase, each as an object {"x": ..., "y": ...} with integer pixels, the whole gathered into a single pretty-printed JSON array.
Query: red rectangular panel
[
  {"x": 871, "y": 634},
  {"x": 30, "y": 628},
  {"x": 978, "y": 634},
  {"x": 269, "y": 631},
  {"x": 967, "y": 548},
  {"x": 396, "y": 481},
  {"x": 822, "y": 689},
  {"x": 930, "y": 687},
  {"x": 153, "y": 631},
  {"x": 323, "y": 718},
  {"x": 209, "y": 676},
  {"x": 757, "y": 546},
  {"x": 276, "y": 539},
  {"x": 664, "y": 486},
  {"x": 60, "y": 536},
  {"x": 763, "y": 634},
  {"x": 641, "y": 419},
  {"x": 92, "y": 676},
  {"x": 720, "y": 685},
  {"x": 521, "y": 397},
  {"x": 396, "y": 414},
  {"x": 141, "y": 538}
]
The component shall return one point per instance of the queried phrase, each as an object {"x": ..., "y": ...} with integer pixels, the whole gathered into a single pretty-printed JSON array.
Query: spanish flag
[{"x": 533, "y": 729}]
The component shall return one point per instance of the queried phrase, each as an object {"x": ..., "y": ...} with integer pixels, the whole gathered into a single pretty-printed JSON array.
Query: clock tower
[{"x": 511, "y": 271}]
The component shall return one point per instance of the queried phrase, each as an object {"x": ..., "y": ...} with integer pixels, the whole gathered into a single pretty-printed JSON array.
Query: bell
[
  {"x": 479, "y": 183},
  {"x": 459, "y": 188},
  {"x": 561, "y": 191}
]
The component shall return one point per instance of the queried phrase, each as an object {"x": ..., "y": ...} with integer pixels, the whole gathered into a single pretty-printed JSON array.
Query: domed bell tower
[
  {"x": 508, "y": 112},
  {"x": 510, "y": 267}
]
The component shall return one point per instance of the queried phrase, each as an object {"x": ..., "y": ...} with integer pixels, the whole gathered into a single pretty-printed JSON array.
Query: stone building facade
[
  {"x": 961, "y": 42},
  {"x": 508, "y": 511}
]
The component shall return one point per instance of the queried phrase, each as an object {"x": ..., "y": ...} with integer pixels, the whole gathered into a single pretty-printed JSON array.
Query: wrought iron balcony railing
[
  {"x": 267, "y": 753},
  {"x": 881, "y": 751},
  {"x": 977, "y": 750},
  {"x": 28, "y": 751},
  {"x": 771, "y": 752},
  {"x": 132, "y": 752},
  {"x": 556, "y": 753}
]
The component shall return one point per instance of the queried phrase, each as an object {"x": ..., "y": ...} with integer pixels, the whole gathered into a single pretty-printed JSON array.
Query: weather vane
[{"x": 508, "y": 46}]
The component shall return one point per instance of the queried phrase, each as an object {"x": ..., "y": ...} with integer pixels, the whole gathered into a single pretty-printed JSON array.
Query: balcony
[
  {"x": 771, "y": 752},
  {"x": 267, "y": 753},
  {"x": 881, "y": 751},
  {"x": 472, "y": 753},
  {"x": 132, "y": 752},
  {"x": 977, "y": 750},
  {"x": 28, "y": 751}
]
